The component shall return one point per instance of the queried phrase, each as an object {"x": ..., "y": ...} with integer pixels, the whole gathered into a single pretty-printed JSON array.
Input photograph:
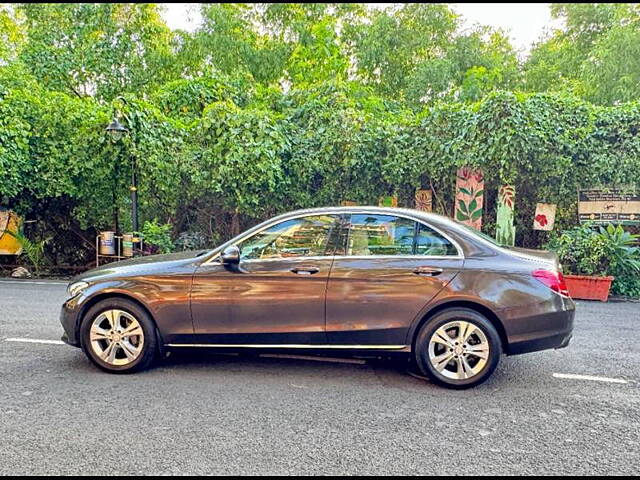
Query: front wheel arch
[{"x": 111, "y": 295}]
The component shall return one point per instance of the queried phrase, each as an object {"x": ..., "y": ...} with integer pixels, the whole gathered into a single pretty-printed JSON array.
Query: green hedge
[{"x": 214, "y": 156}]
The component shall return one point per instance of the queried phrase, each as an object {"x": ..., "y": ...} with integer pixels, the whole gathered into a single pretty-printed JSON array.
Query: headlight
[{"x": 76, "y": 287}]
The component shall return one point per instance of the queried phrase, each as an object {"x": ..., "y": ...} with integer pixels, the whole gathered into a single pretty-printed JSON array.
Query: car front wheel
[
  {"x": 118, "y": 336},
  {"x": 458, "y": 348}
]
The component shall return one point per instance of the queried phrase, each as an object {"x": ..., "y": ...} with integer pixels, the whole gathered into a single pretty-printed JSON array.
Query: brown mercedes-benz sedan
[{"x": 357, "y": 279}]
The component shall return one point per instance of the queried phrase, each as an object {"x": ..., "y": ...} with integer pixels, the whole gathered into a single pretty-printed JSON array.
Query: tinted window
[
  {"x": 299, "y": 237},
  {"x": 429, "y": 242},
  {"x": 380, "y": 235}
]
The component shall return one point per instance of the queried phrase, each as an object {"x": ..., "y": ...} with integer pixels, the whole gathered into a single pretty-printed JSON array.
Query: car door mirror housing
[{"x": 231, "y": 255}]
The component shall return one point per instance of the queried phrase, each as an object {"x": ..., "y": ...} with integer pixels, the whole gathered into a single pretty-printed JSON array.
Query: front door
[
  {"x": 276, "y": 295},
  {"x": 393, "y": 266}
]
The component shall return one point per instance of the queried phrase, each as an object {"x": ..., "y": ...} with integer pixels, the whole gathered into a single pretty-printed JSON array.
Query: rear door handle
[
  {"x": 427, "y": 271},
  {"x": 305, "y": 270}
]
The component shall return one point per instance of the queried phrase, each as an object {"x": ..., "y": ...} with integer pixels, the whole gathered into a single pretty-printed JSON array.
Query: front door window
[{"x": 298, "y": 237}]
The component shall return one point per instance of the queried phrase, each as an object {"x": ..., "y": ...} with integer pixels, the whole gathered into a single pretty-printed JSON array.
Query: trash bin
[
  {"x": 107, "y": 243},
  {"x": 127, "y": 245}
]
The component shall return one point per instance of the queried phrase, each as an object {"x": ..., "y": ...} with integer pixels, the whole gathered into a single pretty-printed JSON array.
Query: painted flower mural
[
  {"x": 545, "y": 216},
  {"x": 388, "y": 201},
  {"x": 469, "y": 197},
  {"x": 424, "y": 200},
  {"x": 542, "y": 220},
  {"x": 505, "y": 228}
]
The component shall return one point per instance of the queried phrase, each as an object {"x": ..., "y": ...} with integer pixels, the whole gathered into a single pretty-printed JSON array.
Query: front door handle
[
  {"x": 305, "y": 270},
  {"x": 427, "y": 271}
]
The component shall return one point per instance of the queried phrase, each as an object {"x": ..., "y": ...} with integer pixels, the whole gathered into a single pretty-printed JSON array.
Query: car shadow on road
[
  {"x": 201, "y": 365},
  {"x": 393, "y": 370}
]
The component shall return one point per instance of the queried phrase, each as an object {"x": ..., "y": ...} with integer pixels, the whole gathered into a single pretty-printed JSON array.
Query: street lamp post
[{"x": 116, "y": 131}]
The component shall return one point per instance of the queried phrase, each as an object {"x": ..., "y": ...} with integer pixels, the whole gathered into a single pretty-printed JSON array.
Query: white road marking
[
  {"x": 570, "y": 376},
  {"x": 34, "y": 340},
  {"x": 31, "y": 282}
]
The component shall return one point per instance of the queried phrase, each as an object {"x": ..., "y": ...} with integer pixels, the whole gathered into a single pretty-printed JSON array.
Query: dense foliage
[{"x": 269, "y": 107}]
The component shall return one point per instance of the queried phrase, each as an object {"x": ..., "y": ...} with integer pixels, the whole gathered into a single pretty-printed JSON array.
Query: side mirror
[{"x": 231, "y": 255}]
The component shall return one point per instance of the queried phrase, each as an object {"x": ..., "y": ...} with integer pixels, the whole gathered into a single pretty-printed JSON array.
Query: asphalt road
[{"x": 215, "y": 414}]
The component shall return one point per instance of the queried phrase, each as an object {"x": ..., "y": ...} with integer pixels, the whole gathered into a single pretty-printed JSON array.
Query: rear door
[{"x": 393, "y": 266}]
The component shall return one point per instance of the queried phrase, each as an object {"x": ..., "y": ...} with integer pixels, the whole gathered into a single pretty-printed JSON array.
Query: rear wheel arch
[{"x": 477, "y": 307}]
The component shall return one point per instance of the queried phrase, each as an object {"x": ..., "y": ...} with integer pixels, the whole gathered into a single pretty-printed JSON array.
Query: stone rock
[{"x": 20, "y": 272}]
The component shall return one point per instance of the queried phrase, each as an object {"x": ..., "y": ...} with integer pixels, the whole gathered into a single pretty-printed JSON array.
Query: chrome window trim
[
  {"x": 402, "y": 257},
  {"x": 316, "y": 257},
  {"x": 356, "y": 257},
  {"x": 288, "y": 345},
  {"x": 337, "y": 213}
]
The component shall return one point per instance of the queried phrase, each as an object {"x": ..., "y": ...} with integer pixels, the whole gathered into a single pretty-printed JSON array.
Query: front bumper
[{"x": 69, "y": 320}]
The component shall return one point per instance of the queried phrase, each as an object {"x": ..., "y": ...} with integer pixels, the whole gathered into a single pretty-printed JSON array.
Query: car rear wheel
[
  {"x": 118, "y": 336},
  {"x": 458, "y": 348}
]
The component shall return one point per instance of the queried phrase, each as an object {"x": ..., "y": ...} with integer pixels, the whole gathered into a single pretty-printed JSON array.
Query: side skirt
[{"x": 293, "y": 346}]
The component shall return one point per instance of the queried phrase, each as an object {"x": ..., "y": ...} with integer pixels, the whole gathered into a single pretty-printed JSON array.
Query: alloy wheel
[
  {"x": 459, "y": 350},
  {"x": 116, "y": 337}
]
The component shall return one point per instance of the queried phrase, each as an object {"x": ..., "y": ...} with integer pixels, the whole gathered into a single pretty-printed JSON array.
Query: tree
[
  {"x": 229, "y": 41},
  {"x": 595, "y": 55},
  {"x": 417, "y": 52},
  {"x": 294, "y": 42},
  {"x": 101, "y": 50},
  {"x": 395, "y": 42},
  {"x": 474, "y": 65}
]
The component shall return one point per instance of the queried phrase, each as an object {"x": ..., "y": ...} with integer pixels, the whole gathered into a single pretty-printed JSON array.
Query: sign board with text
[{"x": 613, "y": 205}]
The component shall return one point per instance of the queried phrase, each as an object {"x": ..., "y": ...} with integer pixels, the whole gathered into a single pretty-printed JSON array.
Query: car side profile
[{"x": 365, "y": 280}]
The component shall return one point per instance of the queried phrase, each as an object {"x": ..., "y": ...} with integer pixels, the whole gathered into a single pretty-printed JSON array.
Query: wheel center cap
[
  {"x": 116, "y": 337},
  {"x": 459, "y": 350}
]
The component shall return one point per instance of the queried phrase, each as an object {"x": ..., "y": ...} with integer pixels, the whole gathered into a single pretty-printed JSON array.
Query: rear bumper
[
  {"x": 542, "y": 343},
  {"x": 544, "y": 330}
]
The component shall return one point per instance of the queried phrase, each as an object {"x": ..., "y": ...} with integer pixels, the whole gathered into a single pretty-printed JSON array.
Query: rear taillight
[{"x": 552, "y": 279}]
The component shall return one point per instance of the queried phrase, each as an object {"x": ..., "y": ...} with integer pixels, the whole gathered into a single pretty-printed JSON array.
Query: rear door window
[{"x": 375, "y": 234}]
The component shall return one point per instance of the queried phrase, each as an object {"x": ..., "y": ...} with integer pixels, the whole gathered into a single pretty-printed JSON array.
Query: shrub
[
  {"x": 581, "y": 251},
  {"x": 626, "y": 285},
  {"x": 158, "y": 237},
  {"x": 33, "y": 250},
  {"x": 191, "y": 241}
]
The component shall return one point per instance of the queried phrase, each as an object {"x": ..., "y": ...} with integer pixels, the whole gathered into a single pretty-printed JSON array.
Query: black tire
[
  {"x": 442, "y": 318},
  {"x": 150, "y": 347}
]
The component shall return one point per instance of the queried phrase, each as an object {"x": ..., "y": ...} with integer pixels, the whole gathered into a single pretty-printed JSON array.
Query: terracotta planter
[{"x": 588, "y": 288}]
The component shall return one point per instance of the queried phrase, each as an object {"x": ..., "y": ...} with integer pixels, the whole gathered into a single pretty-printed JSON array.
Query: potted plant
[{"x": 592, "y": 258}]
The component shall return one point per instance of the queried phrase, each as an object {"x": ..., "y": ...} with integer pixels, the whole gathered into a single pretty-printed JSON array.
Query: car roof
[
  {"x": 465, "y": 240},
  {"x": 372, "y": 209}
]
